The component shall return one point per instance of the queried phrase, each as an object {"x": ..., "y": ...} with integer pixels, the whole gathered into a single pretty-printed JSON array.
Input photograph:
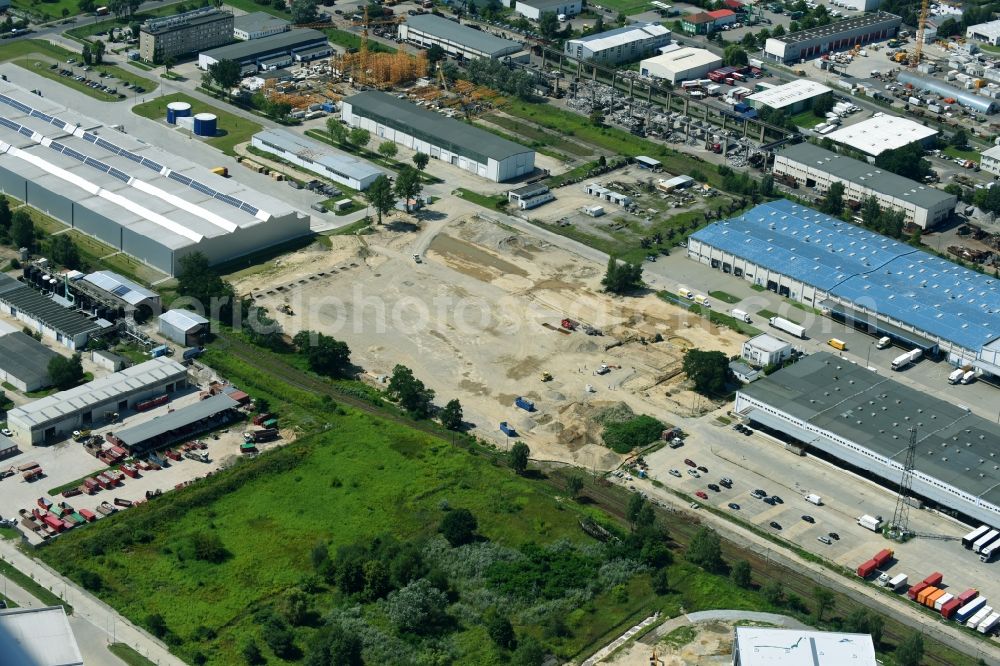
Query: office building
[
  {"x": 273, "y": 52},
  {"x": 612, "y": 47},
  {"x": 173, "y": 36},
  {"x": 257, "y": 25},
  {"x": 764, "y": 350}
]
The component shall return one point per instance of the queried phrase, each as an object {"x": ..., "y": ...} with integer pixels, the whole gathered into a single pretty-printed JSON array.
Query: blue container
[
  {"x": 525, "y": 404},
  {"x": 205, "y": 124},
  {"x": 177, "y": 110},
  {"x": 157, "y": 352},
  {"x": 507, "y": 430}
]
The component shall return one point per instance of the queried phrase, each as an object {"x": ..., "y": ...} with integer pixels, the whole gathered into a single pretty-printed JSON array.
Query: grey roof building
[
  {"x": 319, "y": 158},
  {"x": 63, "y": 324},
  {"x": 38, "y": 637},
  {"x": 627, "y": 44},
  {"x": 426, "y": 30},
  {"x": 180, "y": 423},
  {"x": 443, "y": 138},
  {"x": 845, "y": 412},
  {"x": 257, "y": 25},
  {"x": 817, "y": 167},
  {"x": 24, "y": 361},
  {"x": 182, "y": 326},
  {"x": 837, "y": 36},
  {"x": 274, "y": 52}
]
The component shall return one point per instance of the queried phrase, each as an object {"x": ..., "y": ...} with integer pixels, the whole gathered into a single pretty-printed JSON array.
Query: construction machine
[{"x": 921, "y": 27}]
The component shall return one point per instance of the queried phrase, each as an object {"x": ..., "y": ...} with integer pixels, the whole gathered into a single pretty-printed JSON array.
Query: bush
[
  {"x": 459, "y": 527},
  {"x": 624, "y": 436}
]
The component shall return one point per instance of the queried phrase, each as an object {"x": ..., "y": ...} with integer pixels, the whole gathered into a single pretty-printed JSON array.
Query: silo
[
  {"x": 205, "y": 124},
  {"x": 177, "y": 110}
]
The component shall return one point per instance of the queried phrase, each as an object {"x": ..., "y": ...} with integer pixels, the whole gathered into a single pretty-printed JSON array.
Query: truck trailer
[
  {"x": 903, "y": 360},
  {"x": 974, "y": 535},
  {"x": 956, "y": 375},
  {"x": 873, "y": 523},
  {"x": 985, "y": 540},
  {"x": 969, "y": 609},
  {"x": 987, "y": 625},
  {"x": 787, "y": 326}
]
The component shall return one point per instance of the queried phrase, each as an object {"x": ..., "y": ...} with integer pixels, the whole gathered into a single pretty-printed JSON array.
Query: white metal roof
[
  {"x": 96, "y": 392},
  {"x": 39, "y": 637},
  {"x": 313, "y": 151},
  {"x": 759, "y": 646},
  {"x": 622, "y": 36},
  {"x": 798, "y": 90},
  {"x": 990, "y": 29},
  {"x": 880, "y": 133},
  {"x": 684, "y": 58},
  {"x": 993, "y": 153},
  {"x": 122, "y": 287},
  {"x": 183, "y": 320},
  {"x": 768, "y": 343}
]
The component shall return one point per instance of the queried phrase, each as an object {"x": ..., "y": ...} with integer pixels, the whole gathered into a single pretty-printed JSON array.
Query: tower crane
[{"x": 921, "y": 27}]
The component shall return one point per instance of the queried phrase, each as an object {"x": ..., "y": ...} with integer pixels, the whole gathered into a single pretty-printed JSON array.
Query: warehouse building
[
  {"x": 764, "y": 350},
  {"x": 791, "y": 97},
  {"x": 55, "y": 416},
  {"x": 118, "y": 292},
  {"x": 681, "y": 64},
  {"x": 190, "y": 32},
  {"x": 181, "y": 424},
  {"x": 318, "y": 158},
  {"x": 458, "y": 40},
  {"x": 612, "y": 47},
  {"x": 257, "y": 25},
  {"x": 274, "y": 52},
  {"x": 876, "y": 284},
  {"x": 838, "y": 36},
  {"x": 467, "y": 147},
  {"x": 966, "y": 98},
  {"x": 530, "y": 196},
  {"x": 533, "y": 9},
  {"x": 42, "y": 314},
  {"x": 812, "y": 166},
  {"x": 38, "y": 637},
  {"x": 24, "y": 361},
  {"x": 860, "y": 419},
  {"x": 183, "y": 327},
  {"x": 883, "y": 132},
  {"x": 153, "y": 206},
  {"x": 989, "y": 161},
  {"x": 761, "y": 646},
  {"x": 984, "y": 32}
]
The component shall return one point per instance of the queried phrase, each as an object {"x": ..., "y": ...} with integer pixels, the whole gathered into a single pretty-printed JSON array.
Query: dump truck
[
  {"x": 257, "y": 436},
  {"x": 903, "y": 360},
  {"x": 873, "y": 523},
  {"x": 525, "y": 404},
  {"x": 741, "y": 315},
  {"x": 787, "y": 326}
]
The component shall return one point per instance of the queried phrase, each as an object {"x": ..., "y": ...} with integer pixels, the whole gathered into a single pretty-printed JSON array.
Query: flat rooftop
[
  {"x": 25, "y": 358},
  {"x": 434, "y": 127},
  {"x": 859, "y": 22},
  {"x": 788, "y": 94},
  {"x": 894, "y": 279},
  {"x": 866, "y": 175},
  {"x": 176, "y": 420},
  {"x": 880, "y": 133},
  {"x": 38, "y": 637},
  {"x": 622, "y": 36},
  {"x": 43, "y": 309},
  {"x": 768, "y": 343},
  {"x": 874, "y": 411},
  {"x": 313, "y": 151},
  {"x": 258, "y": 22},
  {"x": 190, "y": 19},
  {"x": 684, "y": 58},
  {"x": 463, "y": 35},
  {"x": 760, "y": 646},
  {"x": 252, "y": 48}
]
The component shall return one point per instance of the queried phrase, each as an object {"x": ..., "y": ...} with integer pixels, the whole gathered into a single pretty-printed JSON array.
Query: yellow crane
[{"x": 921, "y": 26}]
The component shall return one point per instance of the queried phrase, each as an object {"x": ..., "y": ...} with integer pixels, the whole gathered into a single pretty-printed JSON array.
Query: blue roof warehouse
[{"x": 810, "y": 257}]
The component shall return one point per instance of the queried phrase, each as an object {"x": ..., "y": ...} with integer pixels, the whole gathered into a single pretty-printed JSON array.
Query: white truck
[
  {"x": 787, "y": 326},
  {"x": 897, "y": 582},
  {"x": 741, "y": 315},
  {"x": 883, "y": 343},
  {"x": 903, "y": 360},
  {"x": 814, "y": 499},
  {"x": 956, "y": 375},
  {"x": 873, "y": 523},
  {"x": 968, "y": 377}
]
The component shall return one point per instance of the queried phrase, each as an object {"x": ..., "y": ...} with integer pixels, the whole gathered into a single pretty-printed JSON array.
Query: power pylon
[{"x": 899, "y": 528}]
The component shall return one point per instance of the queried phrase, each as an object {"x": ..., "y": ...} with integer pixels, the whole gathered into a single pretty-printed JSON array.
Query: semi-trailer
[
  {"x": 969, "y": 609},
  {"x": 866, "y": 569},
  {"x": 987, "y": 625},
  {"x": 985, "y": 540},
  {"x": 915, "y": 590},
  {"x": 787, "y": 326},
  {"x": 948, "y": 609},
  {"x": 974, "y": 535},
  {"x": 873, "y": 523},
  {"x": 987, "y": 553},
  {"x": 906, "y": 359},
  {"x": 967, "y": 596},
  {"x": 934, "y": 579},
  {"x": 882, "y": 556},
  {"x": 980, "y": 615}
]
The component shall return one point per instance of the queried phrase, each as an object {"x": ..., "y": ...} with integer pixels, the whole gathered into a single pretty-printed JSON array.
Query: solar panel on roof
[
  {"x": 9, "y": 123},
  {"x": 248, "y": 208},
  {"x": 107, "y": 145},
  {"x": 55, "y": 145},
  {"x": 131, "y": 156},
  {"x": 120, "y": 175},
  {"x": 89, "y": 136},
  {"x": 44, "y": 116},
  {"x": 232, "y": 201},
  {"x": 150, "y": 164},
  {"x": 74, "y": 154},
  {"x": 202, "y": 188},
  {"x": 120, "y": 290},
  {"x": 173, "y": 175},
  {"x": 26, "y": 132}
]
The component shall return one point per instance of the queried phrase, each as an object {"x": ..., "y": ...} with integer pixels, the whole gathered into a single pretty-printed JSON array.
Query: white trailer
[
  {"x": 872, "y": 523},
  {"x": 956, "y": 376},
  {"x": 987, "y": 553},
  {"x": 942, "y": 600},
  {"x": 973, "y": 622},
  {"x": 985, "y": 540},
  {"x": 974, "y": 535},
  {"x": 787, "y": 326},
  {"x": 814, "y": 499},
  {"x": 968, "y": 376},
  {"x": 987, "y": 625},
  {"x": 897, "y": 582},
  {"x": 741, "y": 315},
  {"x": 906, "y": 359}
]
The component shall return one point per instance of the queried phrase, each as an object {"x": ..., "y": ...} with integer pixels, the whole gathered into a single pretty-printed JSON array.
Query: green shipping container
[
  {"x": 77, "y": 518},
  {"x": 270, "y": 423}
]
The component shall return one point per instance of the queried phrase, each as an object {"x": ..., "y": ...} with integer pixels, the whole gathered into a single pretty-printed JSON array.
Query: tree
[
  {"x": 388, "y": 149},
  {"x": 251, "y": 653},
  {"x": 749, "y": 41},
  {"x": 596, "y": 119},
  {"x": 705, "y": 550},
  {"x": 277, "y": 634},
  {"x": 822, "y": 104},
  {"x": 87, "y": 54},
  {"x": 5, "y": 216},
  {"x": 421, "y": 160},
  {"x": 767, "y": 185},
  {"x": 519, "y": 457},
  {"x": 418, "y": 608},
  {"x": 97, "y": 50},
  {"x": 303, "y": 11},
  {"x": 410, "y": 392},
  {"x": 621, "y": 277},
  {"x": 959, "y": 139},
  {"x": 773, "y": 592},
  {"x": 824, "y": 600},
  {"x": 157, "y": 625},
  {"x": 451, "y": 415},
  {"x": 325, "y": 355},
  {"x": 709, "y": 370},
  {"x": 379, "y": 196},
  {"x": 63, "y": 251},
  {"x": 65, "y": 372},
  {"x": 949, "y": 28},
  {"x": 335, "y": 645},
  {"x": 574, "y": 485},
  {"x": 500, "y": 630},
  {"x": 548, "y": 24},
  {"x": 359, "y": 137},
  {"x": 226, "y": 74},
  {"x": 740, "y": 574},
  {"x": 528, "y": 653},
  {"x": 862, "y": 622},
  {"x": 435, "y": 54},
  {"x": 907, "y": 161},
  {"x": 22, "y": 230},
  {"x": 661, "y": 582},
  {"x": 833, "y": 202},
  {"x": 294, "y": 607},
  {"x": 779, "y": 31},
  {"x": 910, "y": 650},
  {"x": 208, "y": 547},
  {"x": 408, "y": 184},
  {"x": 735, "y": 55},
  {"x": 459, "y": 527},
  {"x": 199, "y": 282},
  {"x": 337, "y": 130},
  {"x": 623, "y": 436}
]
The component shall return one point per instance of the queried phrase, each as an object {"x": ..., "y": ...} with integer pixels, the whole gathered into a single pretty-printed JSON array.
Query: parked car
[
  {"x": 777, "y": 500},
  {"x": 702, "y": 494},
  {"x": 689, "y": 462},
  {"x": 727, "y": 482},
  {"x": 694, "y": 473},
  {"x": 768, "y": 501},
  {"x": 734, "y": 506},
  {"x": 714, "y": 487},
  {"x": 809, "y": 519},
  {"x": 702, "y": 468},
  {"x": 823, "y": 539},
  {"x": 676, "y": 473},
  {"x": 747, "y": 431},
  {"x": 6, "y": 432},
  {"x": 834, "y": 536},
  {"x": 759, "y": 494},
  {"x": 775, "y": 524}
]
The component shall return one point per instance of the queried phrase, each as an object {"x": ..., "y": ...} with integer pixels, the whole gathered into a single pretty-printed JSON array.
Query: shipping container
[
  {"x": 260, "y": 418},
  {"x": 934, "y": 579},
  {"x": 866, "y": 569},
  {"x": 507, "y": 429},
  {"x": 525, "y": 404},
  {"x": 932, "y": 598},
  {"x": 88, "y": 515},
  {"x": 926, "y": 592},
  {"x": 915, "y": 590},
  {"x": 882, "y": 556},
  {"x": 968, "y": 596},
  {"x": 945, "y": 598},
  {"x": 948, "y": 610},
  {"x": 969, "y": 609}
]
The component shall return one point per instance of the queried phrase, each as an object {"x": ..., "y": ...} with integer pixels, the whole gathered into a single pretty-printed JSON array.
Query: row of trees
[
  {"x": 495, "y": 74},
  {"x": 17, "y": 229},
  {"x": 93, "y": 52}
]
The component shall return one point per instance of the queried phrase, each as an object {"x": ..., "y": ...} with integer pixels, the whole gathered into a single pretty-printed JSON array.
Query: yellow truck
[{"x": 837, "y": 344}]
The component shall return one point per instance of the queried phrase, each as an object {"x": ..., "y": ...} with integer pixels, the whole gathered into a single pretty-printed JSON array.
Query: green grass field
[
  {"x": 723, "y": 296},
  {"x": 968, "y": 154},
  {"x": 629, "y": 7},
  {"x": 495, "y": 202},
  {"x": 128, "y": 655},
  {"x": 807, "y": 119},
  {"x": 233, "y": 129},
  {"x": 48, "y": 10}
]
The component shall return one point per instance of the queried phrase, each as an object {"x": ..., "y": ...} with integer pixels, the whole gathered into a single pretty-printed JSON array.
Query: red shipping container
[
  {"x": 88, "y": 515},
  {"x": 54, "y": 523},
  {"x": 866, "y": 568},
  {"x": 968, "y": 596},
  {"x": 934, "y": 579},
  {"x": 949, "y": 608},
  {"x": 882, "y": 556},
  {"x": 68, "y": 525},
  {"x": 916, "y": 589}
]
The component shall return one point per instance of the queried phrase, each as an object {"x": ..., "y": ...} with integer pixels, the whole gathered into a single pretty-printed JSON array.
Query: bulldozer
[{"x": 546, "y": 377}]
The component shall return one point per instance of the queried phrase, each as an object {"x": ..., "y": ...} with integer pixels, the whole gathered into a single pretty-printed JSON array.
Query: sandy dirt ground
[
  {"x": 479, "y": 319},
  {"x": 712, "y": 646}
]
